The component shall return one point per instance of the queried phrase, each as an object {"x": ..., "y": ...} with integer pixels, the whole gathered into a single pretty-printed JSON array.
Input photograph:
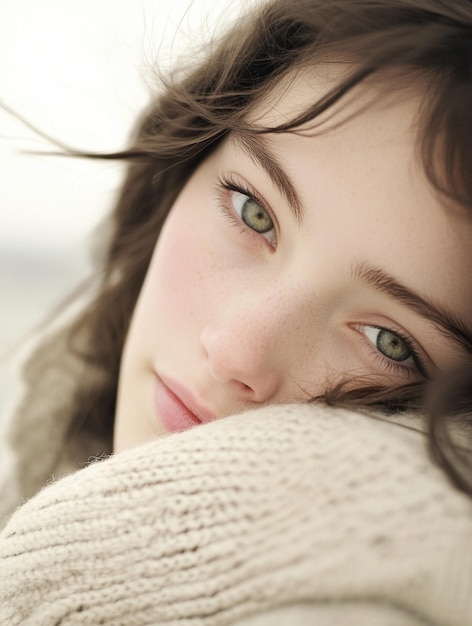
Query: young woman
[{"x": 294, "y": 231}]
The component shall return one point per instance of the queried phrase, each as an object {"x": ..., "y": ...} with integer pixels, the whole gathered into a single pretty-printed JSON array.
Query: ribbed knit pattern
[
  {"x": 33, "y": 445},
  {"x": 282, "y": 508}
]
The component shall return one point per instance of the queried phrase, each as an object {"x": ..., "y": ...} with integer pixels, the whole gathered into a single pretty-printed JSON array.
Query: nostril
[
  {"x": 235, "y": 362},
  {"x": 240, "y": 387},
  {"x": 247, "y": 391}
]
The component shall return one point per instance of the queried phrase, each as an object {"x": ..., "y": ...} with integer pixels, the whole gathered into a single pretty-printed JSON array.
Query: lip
[{"x": 175, "y": 406}]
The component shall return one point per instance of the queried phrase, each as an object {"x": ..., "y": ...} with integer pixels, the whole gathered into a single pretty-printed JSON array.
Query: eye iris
[
  {"x": 392, "y": 346},
  {"x": 256, "y": 217}
]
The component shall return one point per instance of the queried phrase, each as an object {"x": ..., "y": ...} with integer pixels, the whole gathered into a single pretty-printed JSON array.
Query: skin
[{"x": 243, "y": 319}]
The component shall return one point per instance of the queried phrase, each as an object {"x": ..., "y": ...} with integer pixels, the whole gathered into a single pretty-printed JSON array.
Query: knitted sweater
[{"x": 290, "y": 515}]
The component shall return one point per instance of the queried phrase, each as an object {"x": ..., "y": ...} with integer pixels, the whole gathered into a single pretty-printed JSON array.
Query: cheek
[{"x": 181, "y": 269}]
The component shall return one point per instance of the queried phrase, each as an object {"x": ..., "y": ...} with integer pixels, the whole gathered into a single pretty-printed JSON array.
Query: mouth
[{"x": 176, "y": 408}]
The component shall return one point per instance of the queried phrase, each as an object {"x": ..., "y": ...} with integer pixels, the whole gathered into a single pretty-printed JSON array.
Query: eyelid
[
  {"x": 418, "y": 354},
  {"x": 232, "y": 183}
]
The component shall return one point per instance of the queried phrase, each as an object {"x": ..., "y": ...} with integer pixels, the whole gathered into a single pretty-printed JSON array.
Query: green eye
[
  {"x": 246, "y": 208},
  {"x": 392, "y": 346},
  {"x": 255, "y": 216},
  {"x": 393, "y": 350}
]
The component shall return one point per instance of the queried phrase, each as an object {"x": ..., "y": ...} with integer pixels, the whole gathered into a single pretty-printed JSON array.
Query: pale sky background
[{"x": 80, "y": 71}]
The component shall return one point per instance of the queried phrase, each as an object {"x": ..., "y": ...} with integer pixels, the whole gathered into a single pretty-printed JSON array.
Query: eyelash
[
  {"x": 391, "y": 365},
  {"x": 228, "y": 183}
]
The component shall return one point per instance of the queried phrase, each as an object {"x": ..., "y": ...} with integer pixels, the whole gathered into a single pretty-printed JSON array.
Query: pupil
[
  {"x": 392, "y": 346},
  {"x": 256, "y": 218}
]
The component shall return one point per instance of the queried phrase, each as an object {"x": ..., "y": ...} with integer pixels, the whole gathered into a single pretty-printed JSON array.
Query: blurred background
[{"x": 79, "y": 71}]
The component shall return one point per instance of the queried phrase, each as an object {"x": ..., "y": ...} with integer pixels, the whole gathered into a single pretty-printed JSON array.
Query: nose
[{"x": 242, "y": 353}]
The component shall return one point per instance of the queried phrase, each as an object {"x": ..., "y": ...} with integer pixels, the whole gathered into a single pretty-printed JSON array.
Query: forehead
[{"x": 299, "y": 91}]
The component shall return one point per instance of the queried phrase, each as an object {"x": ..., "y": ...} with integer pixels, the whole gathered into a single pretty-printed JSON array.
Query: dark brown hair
[{"x": 424, "y": 42}]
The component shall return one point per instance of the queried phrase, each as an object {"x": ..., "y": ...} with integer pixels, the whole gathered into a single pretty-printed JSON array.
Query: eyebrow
[
  {"x": 256, "y": 147},
  {"x": 444, "y": 320}
]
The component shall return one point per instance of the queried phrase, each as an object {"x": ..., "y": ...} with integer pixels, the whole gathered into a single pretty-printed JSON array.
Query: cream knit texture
[
  {"x": 35, "y": 442},
  {"x": 285, "y": 515}
]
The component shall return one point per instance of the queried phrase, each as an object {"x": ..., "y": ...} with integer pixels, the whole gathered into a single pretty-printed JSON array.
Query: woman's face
[{"x": 290, "y": 262}]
